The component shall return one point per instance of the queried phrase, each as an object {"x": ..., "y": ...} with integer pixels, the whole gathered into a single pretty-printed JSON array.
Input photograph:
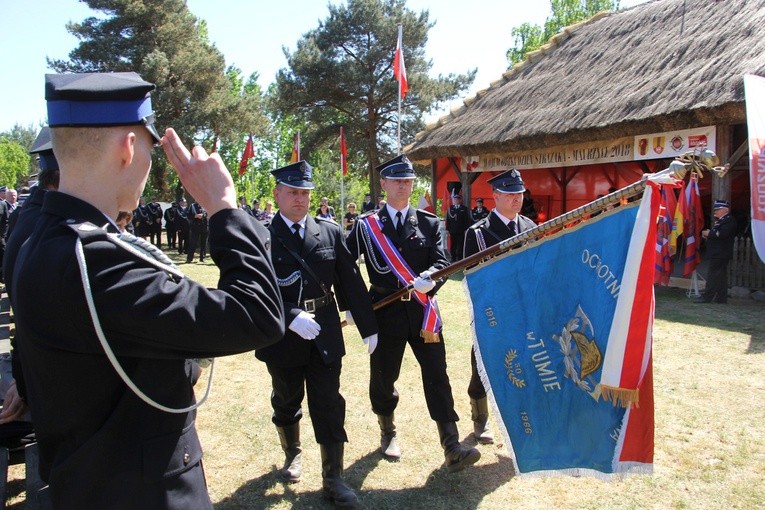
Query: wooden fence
[{"x": 745, "y": 268}]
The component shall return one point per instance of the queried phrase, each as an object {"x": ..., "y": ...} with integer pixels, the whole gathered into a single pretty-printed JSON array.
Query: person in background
[
  {"x": 171, "y": 227},
  {"x": 142, "y": 219},
  {"x": 411, "y": 241},
  {"x": 182, "y": 225},
  {"x": 197, "y": 216},
  {"x": 457, "y": 221},
  {"x": 267, "y": 213},
  {"x": 325, "y": 211},
  {"x": 256, "y": 212},
  {"x": 244, "y": 206},
  {"x": 123, "y": 220},
  {"x": 155, "y": 225},
  {"x": 368, "y": 204},
  {"x": 350, "y": 218},
  {"x": 528, "y": 209},
  {"x": 311, "y": 260},
  {"x": 719, "y": 250},
  {"x": 381, "y": 202},
  {"x": 479, "y": 212},
  {"x": 502, "y": 223}
]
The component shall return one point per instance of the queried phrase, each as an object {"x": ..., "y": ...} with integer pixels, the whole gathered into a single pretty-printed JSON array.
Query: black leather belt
[
  {"x": 311, "y": 305},
  {"x": 389, "y": 290}
]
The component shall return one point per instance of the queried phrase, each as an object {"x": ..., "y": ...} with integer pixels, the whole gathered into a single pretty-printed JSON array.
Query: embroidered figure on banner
[{"x": 582, "y": 357}]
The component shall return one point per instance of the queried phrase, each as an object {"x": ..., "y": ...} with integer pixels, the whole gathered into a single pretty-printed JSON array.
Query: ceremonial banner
[
  {"x": 249, "y": 153},
  {"x": 563, "y": 330},
  {"x": 754, "y": 91}
]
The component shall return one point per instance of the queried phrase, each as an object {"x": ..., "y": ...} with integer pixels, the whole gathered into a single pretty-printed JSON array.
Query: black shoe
[{"x": 702, "y": 300}]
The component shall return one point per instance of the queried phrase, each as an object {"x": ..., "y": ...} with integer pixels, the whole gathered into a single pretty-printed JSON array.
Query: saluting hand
[{"x": 204, "y": 176}]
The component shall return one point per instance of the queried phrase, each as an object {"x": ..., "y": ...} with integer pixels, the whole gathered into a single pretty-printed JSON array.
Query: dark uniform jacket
[
  {"x": 721, "y": 238},
  {"x": 142, "y": 220},
  {"x": 169, "y": 215},
  {"x": 100, "y": 445},
  {"x": 457, "y": 219},
  {"x": 478, "y": 216},
  {"x": 490, "y": 231},
  {"x": 5, "y": 214},
  {"x": 155, "y": 212},
  {"x": 325, "y": 252},
  {"x": 420, "y": 246},
  {"x": 197, "y": 224}
]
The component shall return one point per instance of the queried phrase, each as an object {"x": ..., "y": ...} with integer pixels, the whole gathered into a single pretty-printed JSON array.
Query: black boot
[
  {"x": 457, "y": 456},
  {"x": 289, "y": 436},
  {"x": 333, "y": 486},
  {"x": 388, "y": 441},
  {"x": 480, "y": 415}
]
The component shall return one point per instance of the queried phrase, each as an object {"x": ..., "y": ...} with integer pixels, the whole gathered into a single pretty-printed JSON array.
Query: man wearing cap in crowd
[
  {"x": 120, "y": 432},
  {"x": 368, "y": 204},
  {"x": 171, "y": 227},
  {"x": 479, "y": 212},
  {"x": 380, "y": 201},
  {"x": 719, "y": 250},
  {"x": 198, "y": 231},
  {"x": 142, "y": 219},
  {"x": 255, "y": 209},
  {"x": 503, "y": 222},
  {"x": 402, "y": 246},
  {"x": 457, "y": 221},
  {"x": 182, "y": 225},
  {"x": 310, "y": 258},
  {"x": 155, "y": 222}
]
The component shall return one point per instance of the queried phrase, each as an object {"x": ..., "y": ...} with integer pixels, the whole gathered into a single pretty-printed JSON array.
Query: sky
[{"x": 250, "y": 34}]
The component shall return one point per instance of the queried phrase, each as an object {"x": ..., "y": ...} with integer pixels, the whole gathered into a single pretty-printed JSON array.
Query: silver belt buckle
[
  {"x": 309, "y": 305},
  {"x": 407, "y": 296}
]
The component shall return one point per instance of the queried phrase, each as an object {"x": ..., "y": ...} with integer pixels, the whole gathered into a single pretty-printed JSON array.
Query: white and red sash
[{"x": 431, "y": 322}]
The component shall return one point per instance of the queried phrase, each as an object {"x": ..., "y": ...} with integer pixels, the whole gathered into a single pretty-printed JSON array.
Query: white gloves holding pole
[
  {"x": 305, "y": 326},
  {"x": 423, "y": 283}
]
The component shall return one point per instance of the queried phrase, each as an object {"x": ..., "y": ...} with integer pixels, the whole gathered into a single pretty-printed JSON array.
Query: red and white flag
[
  {"x": 249, "y": 152},
  {"x": 754, "y": 92},
  {"x": 399, "y": 69},
  {"x": 343, "y": 153},
  {"x": 425, "y": 203}
]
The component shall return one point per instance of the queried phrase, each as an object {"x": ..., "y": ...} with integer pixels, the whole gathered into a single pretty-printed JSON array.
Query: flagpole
[
  {"x": 677, "y": 170},
  {"x": 401, "y": 48}
]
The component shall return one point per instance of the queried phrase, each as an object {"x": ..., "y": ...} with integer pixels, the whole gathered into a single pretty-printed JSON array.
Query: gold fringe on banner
[
  {"x": 430, "y": 337},
  {"x": 620, "y": 396}
]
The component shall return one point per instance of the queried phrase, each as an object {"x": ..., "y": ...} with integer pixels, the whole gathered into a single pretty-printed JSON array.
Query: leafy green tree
[
  {"x": 341, "y": 74},
  {"x": 167, "y": 45},
  {"x": 14, "y": 162},
  {"x": 528, "y": 37},
  {"x": 25, "y": 137}
]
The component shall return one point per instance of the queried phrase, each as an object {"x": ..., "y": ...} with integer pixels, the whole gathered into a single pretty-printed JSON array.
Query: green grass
[{"x": 710, "y": 426}]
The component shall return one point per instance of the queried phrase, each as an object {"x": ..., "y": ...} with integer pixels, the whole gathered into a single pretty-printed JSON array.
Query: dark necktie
[
  {"x": 399, "y": 224},
  {"x": 511, "y": 227},
  {"x": 296, "y": 234}
]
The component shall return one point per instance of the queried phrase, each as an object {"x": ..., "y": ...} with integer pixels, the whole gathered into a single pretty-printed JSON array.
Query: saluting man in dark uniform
[
  {"x": 502, "y": 223},
  {"x": 310, "y": 258},
  {"x": 402, "y": 245},
  {"x": 106, "y": 372},
  {"x": 719, "y": 241}
]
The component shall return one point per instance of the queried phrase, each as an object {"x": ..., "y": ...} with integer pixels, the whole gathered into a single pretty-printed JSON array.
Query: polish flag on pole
[
  {"x": 399, "y": 69},
  {"x": 343, "y": 153}
]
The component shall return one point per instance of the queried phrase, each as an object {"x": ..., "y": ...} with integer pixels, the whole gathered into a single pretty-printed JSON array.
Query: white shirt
[
  {"x": 289, "y": 223},
  {"x": 392, "y": 212},
  {"x": 507, "y": 221}
]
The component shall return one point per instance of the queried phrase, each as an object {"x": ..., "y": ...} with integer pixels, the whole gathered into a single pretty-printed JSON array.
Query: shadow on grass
[
  {"x": 444, "y": 490},
  {"x": 739, "y": 315}
]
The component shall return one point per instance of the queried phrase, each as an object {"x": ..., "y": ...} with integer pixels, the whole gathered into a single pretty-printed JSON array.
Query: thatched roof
[{"x": 660, "y": 66}]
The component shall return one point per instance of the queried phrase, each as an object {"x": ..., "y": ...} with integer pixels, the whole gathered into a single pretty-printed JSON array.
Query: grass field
[{"x": 709, "y": 373}]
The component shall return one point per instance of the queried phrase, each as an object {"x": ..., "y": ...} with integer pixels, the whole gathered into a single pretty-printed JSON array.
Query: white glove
[
  {"x": 423, "y": 283},
  {"x": 305, "y": 326},
  {"x": 371, "y": 343},
  {"x": 349, "y": 318}
]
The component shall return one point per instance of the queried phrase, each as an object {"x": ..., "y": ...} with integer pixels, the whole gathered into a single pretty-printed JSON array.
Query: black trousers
[
  {"x": 717, "y": 281},
  {"x": 197, "y": 239},
  {"x": 457, "y": 245},
  {"x": 400, "y": 324},
  {"x": 155, "y": 234},
  {"x": 172, "y": 235},
  {"x": 476, "y": 391},
  {"x": 325, "y": 403},
  {"x": 183, "y": 239}
]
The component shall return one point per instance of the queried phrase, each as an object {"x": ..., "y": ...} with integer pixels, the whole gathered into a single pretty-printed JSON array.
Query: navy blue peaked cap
[
  {"x": 719, "y": 204},
  {"x": 296, "y": 175},
  {"x": 508, "y": 182},
  {"x": 99, "y": 99},
  {"x": 43, "y": 147},
  {"x": 397, "y": 168}
]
